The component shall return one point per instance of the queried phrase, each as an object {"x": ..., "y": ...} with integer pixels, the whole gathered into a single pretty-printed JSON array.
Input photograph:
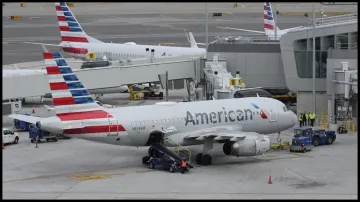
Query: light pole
[
  {"x": 206, "y": 27},
  {"x": 313, "y": 72},
  {"x": 275, "y": 22}
]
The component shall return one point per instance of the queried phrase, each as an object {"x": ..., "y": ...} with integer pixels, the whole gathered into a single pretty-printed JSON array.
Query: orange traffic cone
[
  {"x": 270, "y": 179},
  {"x": 33, "y": 110}
]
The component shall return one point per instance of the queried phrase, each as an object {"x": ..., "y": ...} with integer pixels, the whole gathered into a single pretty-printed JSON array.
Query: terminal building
[{"x": 287, "y": 64}]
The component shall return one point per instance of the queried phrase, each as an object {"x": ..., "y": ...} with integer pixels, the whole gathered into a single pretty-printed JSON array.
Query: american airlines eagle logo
[{"x": 262, "y": 113}]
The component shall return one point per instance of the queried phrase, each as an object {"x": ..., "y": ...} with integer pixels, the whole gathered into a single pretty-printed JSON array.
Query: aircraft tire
[
  {"x": 198, "y": 158},
  {"x": 206, "y": 160}
]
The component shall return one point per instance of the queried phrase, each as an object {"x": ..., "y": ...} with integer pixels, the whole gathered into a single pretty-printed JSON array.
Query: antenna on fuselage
[{"x": 257, "y": 95}]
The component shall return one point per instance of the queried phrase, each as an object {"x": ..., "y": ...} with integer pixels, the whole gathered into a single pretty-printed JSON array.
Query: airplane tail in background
[
  {"x": 70, "y": 29},
  {"x": 68, "y": 93},
  {"x": 192, "y": 41},
  {"x": 269, "y": 22}
]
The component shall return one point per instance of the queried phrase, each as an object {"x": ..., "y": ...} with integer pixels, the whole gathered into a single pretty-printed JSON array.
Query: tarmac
[
  {"x": 143, "y": 23},
  {"x": 79, "y": 169}
]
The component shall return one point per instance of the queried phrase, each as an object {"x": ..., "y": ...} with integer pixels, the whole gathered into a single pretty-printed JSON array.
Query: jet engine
[
  {"x": 247, "y": 147},
  {"x": 51, "y": 124}
]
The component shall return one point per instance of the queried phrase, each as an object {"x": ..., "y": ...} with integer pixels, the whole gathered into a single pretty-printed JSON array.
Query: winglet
[
  {"x": 192, "y": 41},
  {"x": 45, "y": 49}
]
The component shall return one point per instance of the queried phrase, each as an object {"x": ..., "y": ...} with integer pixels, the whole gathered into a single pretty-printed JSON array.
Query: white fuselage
[
  {"x": 114, "y": 51},
  {"x": 140, "y": 121}
]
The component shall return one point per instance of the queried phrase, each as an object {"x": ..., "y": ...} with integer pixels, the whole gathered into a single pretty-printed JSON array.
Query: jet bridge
[
  {"x": 21, "y": 86},
  {"x": 220, "y": 84}
]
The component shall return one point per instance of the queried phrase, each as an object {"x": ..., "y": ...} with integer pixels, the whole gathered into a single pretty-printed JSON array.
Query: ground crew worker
[
  {"x": 300, "y": 119},
  {"x": 183, "y": 165},
  {"x": 304, "y": 119},
  {"x": 308, "y": 119},
  {"x": 312, "y": 118}
]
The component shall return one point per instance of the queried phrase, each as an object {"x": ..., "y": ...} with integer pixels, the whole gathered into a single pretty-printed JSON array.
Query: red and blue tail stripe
[
  {"x": 67, "y": 91},
  {"x": 268, "y": 17},
  {"x": 70, "y": 29}
]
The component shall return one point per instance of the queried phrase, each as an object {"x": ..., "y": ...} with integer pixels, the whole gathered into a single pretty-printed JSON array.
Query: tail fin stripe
[
  {"x": 74, "y": 39},
  {"x": 79, "y": 93},
  {"x": 75, "y": 85},
  {"x": 63, "y": 8},
  {"x": 68, "y": 14},
  {"x": 61, "y": 18},
  {"x": 70, "y": 78},
  {"x": 63, "y": 4},
  {"x": 84, "y": 100},
  {"x": 58, "y": 86},
  {"x": 64, "y": 28},
  {"x": 53, "y": 70},
  {"x": 64, "y": 101},
  {"x": 267, "y": 26},
  {"x": 58, "y": 8}
]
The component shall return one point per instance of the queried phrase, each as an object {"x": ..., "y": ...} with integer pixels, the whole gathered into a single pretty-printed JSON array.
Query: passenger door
[
  {"x": 113, "y": 126},
  {"x": 273, "y": 115}
]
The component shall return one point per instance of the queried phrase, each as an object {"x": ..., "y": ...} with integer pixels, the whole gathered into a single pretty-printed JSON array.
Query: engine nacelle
[
  {"x": 51, "y": 124},
  {"x": 247, "y": 147}
]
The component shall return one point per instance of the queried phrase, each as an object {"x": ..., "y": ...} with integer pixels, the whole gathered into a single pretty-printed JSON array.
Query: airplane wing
[
  {"x": 229, "y": 132},
  {"x": 246, "y": 30},
  {"x": 28, "y": 119},
  {"x": 47, "y": 44},
  {"x": 294, "y": 28}
]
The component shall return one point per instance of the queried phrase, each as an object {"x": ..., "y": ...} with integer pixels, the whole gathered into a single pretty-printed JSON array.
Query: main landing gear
[{"x": 204, "y": 158}]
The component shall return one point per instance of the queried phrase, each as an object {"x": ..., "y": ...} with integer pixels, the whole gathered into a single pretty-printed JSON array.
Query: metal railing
[
  {"x": 243, "y": 40},
  {"x": 336, "y": 19},
  {"x": 177, "y": 150}
]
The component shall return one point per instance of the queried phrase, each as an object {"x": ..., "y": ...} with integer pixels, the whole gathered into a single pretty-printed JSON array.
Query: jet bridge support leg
[{"x": 204, "y": 158}]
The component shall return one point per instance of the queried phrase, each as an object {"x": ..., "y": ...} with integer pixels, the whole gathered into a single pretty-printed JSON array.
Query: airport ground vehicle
[
  {"x": 18, "y": 124},
  {"x": 36, "y": 132},
  {"x": 10, "y": 136},
  {"x": 164, "y": 162},
  {"x": 301, "y": 143},
  {"x": 305, "y": 136},
  {"x": 160, "y": 156}
]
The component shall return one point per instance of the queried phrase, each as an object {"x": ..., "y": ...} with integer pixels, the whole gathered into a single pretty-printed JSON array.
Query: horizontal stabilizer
[
  {"x": 245, "y": 30},
  {"x": 28, "y": 119},
  {"x": 49, "y": 108}
]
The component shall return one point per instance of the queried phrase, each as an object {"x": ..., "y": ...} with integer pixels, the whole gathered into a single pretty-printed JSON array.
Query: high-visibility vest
[
  {"x": 309, "y": 115},
  {"x": 183, "y": 163},
  {"x": 300, "y": 117}
]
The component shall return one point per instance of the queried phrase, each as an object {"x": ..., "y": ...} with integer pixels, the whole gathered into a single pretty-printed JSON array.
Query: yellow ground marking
[
  {"x": 145, "y": 171},
  {"x": 170, "y": 43},
  {"x": 5, "y": 42},
  {"x": 230, "y": 13},
  {"x": 89, "y": 176},
  {"x": 243, "y": 6}
]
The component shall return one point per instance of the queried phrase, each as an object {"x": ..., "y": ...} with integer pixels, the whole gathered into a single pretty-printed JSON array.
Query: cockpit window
[{"x": 285, "y": 108}]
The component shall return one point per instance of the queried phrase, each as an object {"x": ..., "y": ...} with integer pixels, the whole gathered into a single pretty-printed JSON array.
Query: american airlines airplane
[
  {"x": 269, "y": 24},
  {"x": 239, "y": 124},
  {"x": 79, "y": 45}
]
